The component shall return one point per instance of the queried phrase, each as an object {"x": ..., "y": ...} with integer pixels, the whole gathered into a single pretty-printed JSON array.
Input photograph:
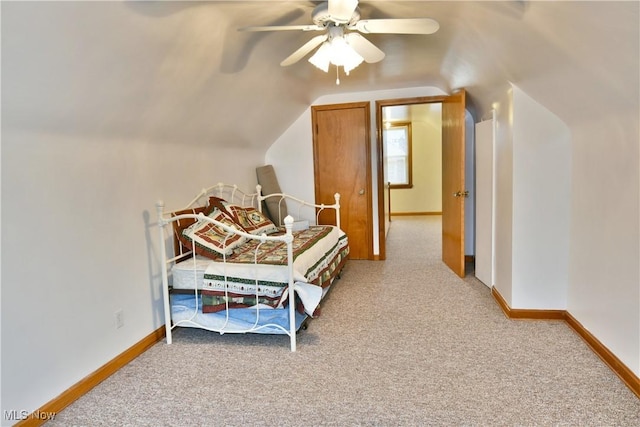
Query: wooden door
[
  {"x": 342, "y": 164},
  {"x": 453, "y": 182}
]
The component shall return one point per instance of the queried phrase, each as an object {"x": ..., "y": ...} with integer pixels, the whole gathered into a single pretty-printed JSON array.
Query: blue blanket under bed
[{"x": 240, "y": 320}]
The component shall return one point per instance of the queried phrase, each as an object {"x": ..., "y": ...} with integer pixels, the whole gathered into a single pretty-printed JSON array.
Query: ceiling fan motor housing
[{"x": 321, "y": 16}]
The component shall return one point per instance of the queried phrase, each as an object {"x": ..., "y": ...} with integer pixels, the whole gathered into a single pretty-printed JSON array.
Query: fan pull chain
[{"x": 337, "y": 76}]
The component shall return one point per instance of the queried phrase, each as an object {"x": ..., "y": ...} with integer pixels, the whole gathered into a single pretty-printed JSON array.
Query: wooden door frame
[
  {"x": 366, "y": 105},
  {"x": 382, "y": 245}
]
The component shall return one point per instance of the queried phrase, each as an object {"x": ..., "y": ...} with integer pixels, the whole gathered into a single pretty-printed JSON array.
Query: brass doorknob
[{"x": 361, "y": 192}]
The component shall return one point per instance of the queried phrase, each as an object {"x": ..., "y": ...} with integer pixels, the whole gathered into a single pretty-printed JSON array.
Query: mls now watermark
[{"x": 21, "y": 415}]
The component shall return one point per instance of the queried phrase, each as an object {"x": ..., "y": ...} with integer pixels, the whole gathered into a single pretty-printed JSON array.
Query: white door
[{"x": 484, "y": 202}]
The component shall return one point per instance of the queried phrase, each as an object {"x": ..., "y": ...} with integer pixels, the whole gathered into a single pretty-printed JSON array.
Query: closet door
[
  {"x": 484, "y": 202},
  {"x": 342, "y": 164}
]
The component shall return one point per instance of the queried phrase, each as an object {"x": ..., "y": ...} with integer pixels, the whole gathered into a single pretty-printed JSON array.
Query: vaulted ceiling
[{"x": 180, "y": 70}]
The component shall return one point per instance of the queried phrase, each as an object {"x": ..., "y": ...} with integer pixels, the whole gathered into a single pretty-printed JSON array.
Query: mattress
[
  {"x": 257, "y": 274},
  {"x": 240, "y": 275},
  {"x": 189, "y": 274}
]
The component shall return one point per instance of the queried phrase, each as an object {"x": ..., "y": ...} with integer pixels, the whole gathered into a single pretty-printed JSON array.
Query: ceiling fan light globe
[
  {"x": 351, "y": 64},
  {"x": 322, "y": 58},
  {"x": 342, "y": 54}
]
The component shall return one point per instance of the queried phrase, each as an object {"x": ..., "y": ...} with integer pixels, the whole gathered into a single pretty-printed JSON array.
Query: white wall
[
  {"x": 541, "y": 204},
  {"x": 533, "y": 168},
  {"x": 604, "y": 287}
]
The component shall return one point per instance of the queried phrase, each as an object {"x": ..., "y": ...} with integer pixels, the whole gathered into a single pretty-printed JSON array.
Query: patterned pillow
[
  {"x": 211, "y": 240},
  {"x": 252, "y": 220},
  {"x": 181, "y": 224}
]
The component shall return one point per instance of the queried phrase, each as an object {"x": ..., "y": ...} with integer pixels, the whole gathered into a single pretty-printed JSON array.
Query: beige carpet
[{"x": 400, "y": 342}]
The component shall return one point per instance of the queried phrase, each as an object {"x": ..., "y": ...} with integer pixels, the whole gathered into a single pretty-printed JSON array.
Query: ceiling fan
[{"x": 342, "y": 44}]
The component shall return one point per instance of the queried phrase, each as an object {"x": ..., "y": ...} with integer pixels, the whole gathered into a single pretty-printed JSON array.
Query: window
[{"x": 397, "y": 145}]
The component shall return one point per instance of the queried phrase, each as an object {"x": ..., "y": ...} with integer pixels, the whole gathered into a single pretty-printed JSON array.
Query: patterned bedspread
[{"x": 318, "y": 252}]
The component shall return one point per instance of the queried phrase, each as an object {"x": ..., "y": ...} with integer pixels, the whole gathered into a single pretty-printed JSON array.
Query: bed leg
[
  {"x": 292, "y": 327},
  {"x": 165, "y": 277},
  {"x": 168, "y": 333}
]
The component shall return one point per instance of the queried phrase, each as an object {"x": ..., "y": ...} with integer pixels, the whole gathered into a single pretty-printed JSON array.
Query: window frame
[{"x": 409, "y": 157}]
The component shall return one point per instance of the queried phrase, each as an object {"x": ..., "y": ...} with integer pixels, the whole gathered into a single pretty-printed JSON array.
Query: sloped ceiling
[{"x": 180, "y": 71}]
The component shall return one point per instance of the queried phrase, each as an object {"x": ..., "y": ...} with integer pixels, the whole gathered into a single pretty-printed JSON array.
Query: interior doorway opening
[
  {"x": 412, "y": 147},
  {"x": 443, "y": 128},
  {"x": 424, "y": 116}
]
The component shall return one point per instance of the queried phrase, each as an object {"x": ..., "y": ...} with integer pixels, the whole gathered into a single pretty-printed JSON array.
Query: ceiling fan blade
[
  {"x": 311, "y": 27},
  {"x": 364, "y": 47},
  {"x": 305, "y": 49},
  {"x": 341, "y": 11},
  {"x": 397, "y": 26}
]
